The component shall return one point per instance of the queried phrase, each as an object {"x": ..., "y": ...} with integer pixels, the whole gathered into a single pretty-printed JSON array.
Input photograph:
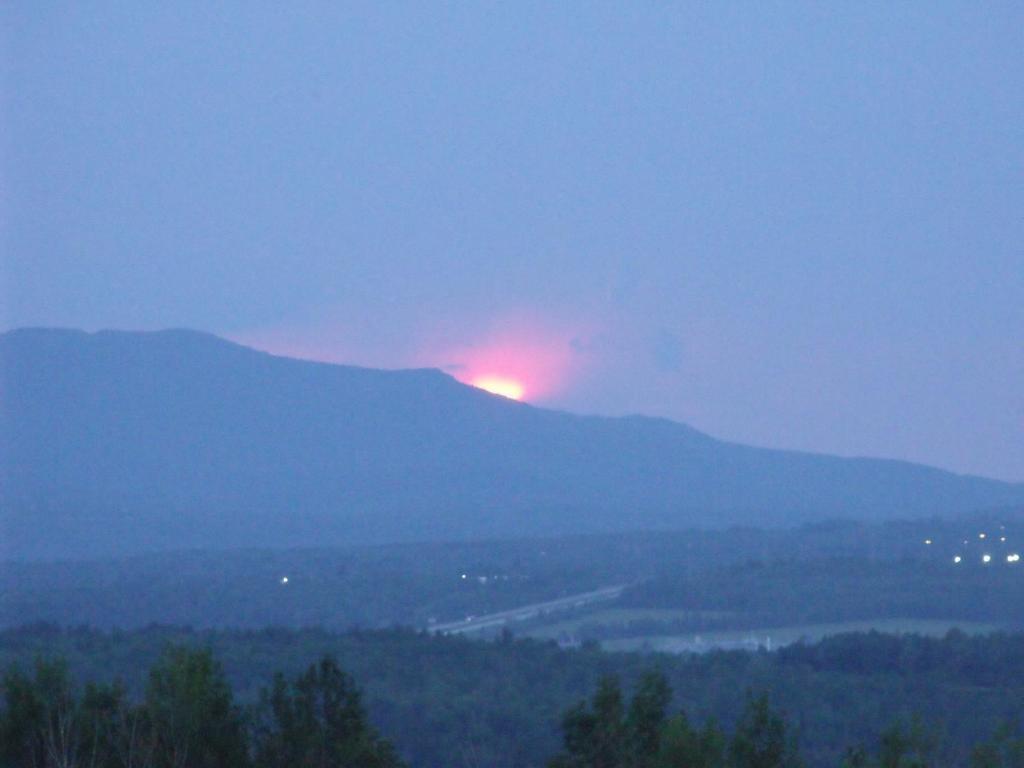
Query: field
[
  {"x": 614, "y": 619},
  {"x": 777, "y": 637}
]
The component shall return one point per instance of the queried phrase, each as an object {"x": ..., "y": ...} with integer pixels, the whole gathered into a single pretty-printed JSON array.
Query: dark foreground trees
[
  {"x": 605, "y": 734},
  {"x": 46, "y": 723},
  {"x": 186, "y": 719},
  {"x": 185, "y": 716},
  {"x": 317, "y": 721}
]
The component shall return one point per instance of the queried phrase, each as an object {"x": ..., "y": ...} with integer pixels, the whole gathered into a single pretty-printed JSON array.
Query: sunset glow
[
  {"x": 527, "y": 359},
  {"x": 498, "y": 385},
  {"x": 532, "y": 358}
]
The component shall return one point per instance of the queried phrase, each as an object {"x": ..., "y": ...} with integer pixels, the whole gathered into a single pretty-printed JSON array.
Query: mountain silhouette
[{"x": 119, "y": 442}]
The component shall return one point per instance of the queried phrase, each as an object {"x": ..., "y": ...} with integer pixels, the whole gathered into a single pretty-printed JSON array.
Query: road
[{"x": 492, "y": 620}]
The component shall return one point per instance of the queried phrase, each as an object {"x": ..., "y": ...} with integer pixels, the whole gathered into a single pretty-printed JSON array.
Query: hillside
[{"x": 116, "y": 443}]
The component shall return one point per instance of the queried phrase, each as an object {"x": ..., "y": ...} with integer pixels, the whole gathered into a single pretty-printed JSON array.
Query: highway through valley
[{"x": 502, "y": 618}]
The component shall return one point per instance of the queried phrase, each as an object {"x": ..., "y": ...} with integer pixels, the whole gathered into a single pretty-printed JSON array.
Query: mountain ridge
[{"x": 117, "y": 442}]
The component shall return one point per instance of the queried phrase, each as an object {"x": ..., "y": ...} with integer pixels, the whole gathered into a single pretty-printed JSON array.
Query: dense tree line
[
  {"x": 606, "y": 733},
  {"x": 994, "y": 660},
  {"x": 187, "y": 718},
  {"x": 452, "y": 701}
]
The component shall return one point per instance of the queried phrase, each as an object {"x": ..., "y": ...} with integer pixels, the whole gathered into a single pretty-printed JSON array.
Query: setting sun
[{"x": 498, "y": 385}]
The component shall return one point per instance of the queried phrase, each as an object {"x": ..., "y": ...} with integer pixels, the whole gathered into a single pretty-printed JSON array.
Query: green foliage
[
  {"x": 683, "y": 745},
  {"x": 602, "y": 735},
  {"x": 645, "y": 722},
  {"x": 1004, "y": 750},
  {"x": 452, "y": 701},
  {"x": 597, "y": 735},
  {"x": 855, "y": 757},
  {"x": 318, "y": 721},
  {"x": 45, "y": 724},
  {"x": 35, "y": 709},
  {"x": 914, "y": 746},
  {"x": 103, "y": 709},
  {"x": 903, "y": 747},
  {"x": 187, "y": 719},
  {"x": 190, "y": 714},
  {"x": 760, "y": 740},
  {"x": 896, "y": 750}
]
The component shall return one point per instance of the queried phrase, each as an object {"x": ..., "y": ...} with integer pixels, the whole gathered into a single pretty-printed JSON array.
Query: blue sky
[{"x": 790, "y": 224}]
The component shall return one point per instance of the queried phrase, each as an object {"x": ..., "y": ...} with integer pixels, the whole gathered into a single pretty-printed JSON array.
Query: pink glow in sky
[
  {"x": 522, "y": 360},
  {"x": 497, "y": 385}
]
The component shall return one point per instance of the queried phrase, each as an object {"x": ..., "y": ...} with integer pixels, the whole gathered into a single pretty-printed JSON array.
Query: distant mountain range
[{"x": 118, "y": 443}]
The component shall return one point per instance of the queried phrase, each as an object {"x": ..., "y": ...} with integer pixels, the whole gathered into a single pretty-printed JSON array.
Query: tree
[
  {"x": 40, "y": 722},
  {"x": 683, "y": 746},
  {"x": 646, "y": 720},
  {"x": 855, "y": 757},
  {"x": 103, "y": 708},
  {"x": 594, "y": 735},
  {"x": 45, "y": 724},
  {"x": 189, "y": 713},
  {"x": 1004, "y": 750},
  {"x": 600, "y": 735},
  {"x": 318, "y": 721},
  {"x": 906, "y": 749},
  {"x": 760, "y": 738}
]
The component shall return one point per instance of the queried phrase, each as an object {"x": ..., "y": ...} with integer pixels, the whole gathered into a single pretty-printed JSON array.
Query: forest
[{"x": 426, "y": 700}]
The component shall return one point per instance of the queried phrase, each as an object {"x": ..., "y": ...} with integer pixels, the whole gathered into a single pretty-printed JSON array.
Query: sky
[{"x": 796, "y": 225}]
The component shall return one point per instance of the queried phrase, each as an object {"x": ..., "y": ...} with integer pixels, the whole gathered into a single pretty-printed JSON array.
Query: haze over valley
[{"x": 511, "y": 385}]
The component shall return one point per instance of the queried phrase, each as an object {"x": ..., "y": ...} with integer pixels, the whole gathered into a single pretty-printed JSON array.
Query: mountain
[{"x": 117, "y": 443}]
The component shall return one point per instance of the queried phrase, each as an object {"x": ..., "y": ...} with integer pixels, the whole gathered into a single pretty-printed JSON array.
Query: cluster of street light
[{"x": 986, "y": 557}]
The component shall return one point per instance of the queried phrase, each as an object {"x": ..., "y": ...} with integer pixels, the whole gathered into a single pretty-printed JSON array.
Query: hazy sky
[{"x": 790, "y": 224}]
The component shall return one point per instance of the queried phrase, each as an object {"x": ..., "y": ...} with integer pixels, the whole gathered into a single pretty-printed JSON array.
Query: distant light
[
  {"x": 1002, "y": 538},
  {"x": 463, "y": 575},
  {"x": 981, "y": 535},
  {"x": 927, "y": 541},
  {"x": 499, "y": 385},
  {"x": 957, "y": 559},
  {"x": 1012, "y": 558},
  {"x": 965, "y": 541},
  {"x": 284, "y": 579},
  {"x": 986, "y": 558}
]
